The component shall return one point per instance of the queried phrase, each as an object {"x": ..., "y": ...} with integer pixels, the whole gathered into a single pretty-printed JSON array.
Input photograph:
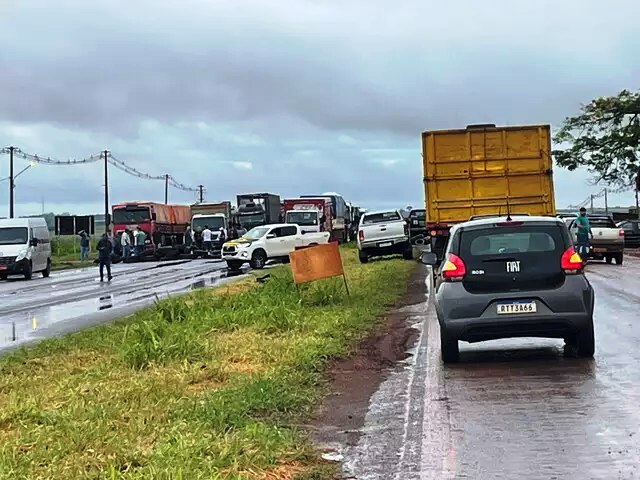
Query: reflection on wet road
[
  {"x": 514, "y": 409},
  {"x": 30, "y": 310}
]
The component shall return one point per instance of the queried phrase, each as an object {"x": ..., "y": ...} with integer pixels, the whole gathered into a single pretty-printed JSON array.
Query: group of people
[{"x": 132, "y": 243}]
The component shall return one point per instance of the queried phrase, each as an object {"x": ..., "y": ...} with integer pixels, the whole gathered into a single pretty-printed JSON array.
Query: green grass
[
  {"x": 65, "y": 253},
  {"x": 205, "y": 386}
]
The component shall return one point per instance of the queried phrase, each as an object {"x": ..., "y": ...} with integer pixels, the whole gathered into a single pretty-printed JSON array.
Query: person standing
[
  {"x": 105, "y": 250},
  {"x": 125, "y": 242},
  {"x": 206, "y": 238},
  {"x": 84, "y": 246},
  {"x": 140, "y": 239},
  {"x": 584, "y": 233}
]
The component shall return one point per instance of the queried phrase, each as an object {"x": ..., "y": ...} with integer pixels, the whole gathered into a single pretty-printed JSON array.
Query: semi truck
[
  {"x": 218, "y": 217},
  {"x": 339, "y": 216},
  {"x": 165, "y": 225},
  {"x": 256, "y": 209},
  {"x": 312, "y": 214},
  {"x": 484, "y": 170}
]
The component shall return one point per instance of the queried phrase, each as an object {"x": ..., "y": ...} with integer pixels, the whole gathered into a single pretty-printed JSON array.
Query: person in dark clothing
[
  {"x": 84, "y": 246},
  {"x": 105, "y": 249}
]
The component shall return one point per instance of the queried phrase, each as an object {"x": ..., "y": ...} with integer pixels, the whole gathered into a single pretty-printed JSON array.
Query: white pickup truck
[
  {"x": 608, "y": 239},
  {"x": 268, "y": 242},
  {"x": 383, "y": 232}
]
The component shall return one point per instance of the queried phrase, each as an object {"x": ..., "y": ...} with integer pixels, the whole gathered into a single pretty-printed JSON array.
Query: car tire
[
  {"x": 586, "y": 342},
  {"x": 47, "y": 271},
  {"x": 407, "y": 253},
  {"x": 234, "y": 265},
  {"x": 28, "y": 272},
  {"x": 448, "y": 347},
  {"x": 258, "y": 259},
  {"x": 609, "y": 259},
  {"x": 619, "y": 258},
  {"x": 363, "y": 257},
  {"x": 3, "y": 276}
]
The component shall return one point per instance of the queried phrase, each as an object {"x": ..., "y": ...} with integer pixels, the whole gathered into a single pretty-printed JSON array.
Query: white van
[{"x": 25, "y": 247}]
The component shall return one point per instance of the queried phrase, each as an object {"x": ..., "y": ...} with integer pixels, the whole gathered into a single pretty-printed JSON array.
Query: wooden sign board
[{"x": 317, "y": 262}]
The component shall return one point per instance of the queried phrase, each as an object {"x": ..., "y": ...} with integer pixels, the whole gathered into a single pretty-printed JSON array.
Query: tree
[{"x": 604, "y": 138}]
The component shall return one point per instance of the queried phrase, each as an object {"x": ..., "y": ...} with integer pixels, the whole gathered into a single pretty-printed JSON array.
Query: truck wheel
[
  {"x": 609, "y": 259},
  {"x": 3, "y": 276},
  {"x": 619, "y": 257},
  {"x": 407, "y": 254},
  {"x": 258, "y": 259},
  {"x": 363, "y": 257},
  {"x": 450, "y": 351},
  {"x": 234, "y": 265}
]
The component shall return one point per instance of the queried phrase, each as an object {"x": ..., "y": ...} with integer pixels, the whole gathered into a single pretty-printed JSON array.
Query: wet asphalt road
[
  {"x": 513, "y": 409},
  {"x": 74, "y": 299}
]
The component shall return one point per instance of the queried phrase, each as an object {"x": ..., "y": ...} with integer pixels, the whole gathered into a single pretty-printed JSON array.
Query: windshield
[
  {"x": 13, "y": 236},
  {"x": 256, "y": 233},
  {"x": 129, "y": 216},
  {"x": 381, "y": 218},
  {"x": 251, "y": 220},
  {"x": 214, "y": 223},
  {"x": 302, "y": 218},
  {"x": 420, "y": 214}
]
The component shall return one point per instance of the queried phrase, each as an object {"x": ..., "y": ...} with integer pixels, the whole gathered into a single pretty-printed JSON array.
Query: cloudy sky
[{"x": 290, "y": 97}]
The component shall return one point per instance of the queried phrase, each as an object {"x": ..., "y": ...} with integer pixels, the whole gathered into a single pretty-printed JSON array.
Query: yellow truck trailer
[{"x": 485, "y": 170}]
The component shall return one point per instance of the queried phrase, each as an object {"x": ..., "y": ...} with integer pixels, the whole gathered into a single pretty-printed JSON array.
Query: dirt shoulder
[{"x": 353, "y": 380}]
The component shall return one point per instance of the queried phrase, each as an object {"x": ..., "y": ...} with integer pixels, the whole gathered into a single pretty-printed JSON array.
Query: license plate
[
  {"x": 517, "y": 307},
  {"x": 385, "y": 244},
  {"x": 599, "y": 250}
]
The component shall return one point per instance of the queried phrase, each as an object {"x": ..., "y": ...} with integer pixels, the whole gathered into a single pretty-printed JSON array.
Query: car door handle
[{"x": 383, "y": 229}]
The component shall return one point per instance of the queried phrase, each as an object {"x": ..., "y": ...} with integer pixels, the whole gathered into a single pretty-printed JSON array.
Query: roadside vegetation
[
  {"x": 214, "y": 385},
  {"x": 65, "y": 252}
]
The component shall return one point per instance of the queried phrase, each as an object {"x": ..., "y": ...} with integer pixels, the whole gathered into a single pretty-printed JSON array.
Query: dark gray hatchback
[{"x": 512, "y": 277}]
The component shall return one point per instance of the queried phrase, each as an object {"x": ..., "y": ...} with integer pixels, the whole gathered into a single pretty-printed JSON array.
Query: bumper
[
  {"x": 599, "y": 250},
  {"x": 560, "y": 312},
  {"x": 237, "y": 256},
  {"x": 398, "y": 245},
  {"x": 14, "y": 268}
]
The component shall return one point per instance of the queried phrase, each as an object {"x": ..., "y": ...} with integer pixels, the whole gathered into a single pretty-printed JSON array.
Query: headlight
[
  {"x": 243, "y": 245},
  {"x": 22, "y": 254}
]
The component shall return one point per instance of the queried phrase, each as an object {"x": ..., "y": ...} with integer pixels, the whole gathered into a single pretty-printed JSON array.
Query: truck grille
[{"x": 7, "y": 260}]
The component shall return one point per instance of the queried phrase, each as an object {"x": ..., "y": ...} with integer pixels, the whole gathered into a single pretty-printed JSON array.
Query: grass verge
[{"x": 208, "y": 386}]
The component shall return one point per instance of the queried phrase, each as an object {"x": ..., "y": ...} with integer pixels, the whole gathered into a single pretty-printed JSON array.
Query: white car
[
  {"x": 383, "y": 232},
  {"x": 25, "y": 247},
  {"x": 268, "y": 242}
]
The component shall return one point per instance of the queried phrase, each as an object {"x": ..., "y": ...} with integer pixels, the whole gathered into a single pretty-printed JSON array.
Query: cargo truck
[
  {"x": 216, "y": 216},
  {"x": 312, "y": 214},
  {"x": 255, "y": 209},
  {"x": 165, "y": 225},
  {"x": 339, "y": 216},
  {"x": 485, "y": 170}
]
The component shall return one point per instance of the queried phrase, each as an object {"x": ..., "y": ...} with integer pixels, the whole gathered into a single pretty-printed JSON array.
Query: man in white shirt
[
  {"x": 125, "y": 242},
  {"x": 206, "y": 238}
]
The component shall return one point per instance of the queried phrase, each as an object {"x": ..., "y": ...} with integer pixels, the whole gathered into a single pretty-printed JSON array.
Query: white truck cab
[
  {"x": 309, "y": 219},
  {"x": 25, "y": 247},
  {"x": 268, "y": 242}
]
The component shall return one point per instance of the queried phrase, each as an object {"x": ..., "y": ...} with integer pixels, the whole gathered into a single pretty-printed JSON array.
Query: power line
[{"x": 51, "y": 161}]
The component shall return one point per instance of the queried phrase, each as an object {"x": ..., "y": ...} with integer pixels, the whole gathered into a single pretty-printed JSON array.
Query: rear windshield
[
  {"x": 498, "y": 243},
  {"x": 381, "y": 218},
  {"x": 600, "y": 222},
  {"x": 418, "y": 214}
]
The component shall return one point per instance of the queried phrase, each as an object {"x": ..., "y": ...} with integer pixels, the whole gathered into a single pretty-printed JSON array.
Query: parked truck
[
  {"x": 255, "y": 209},
  {"x": 312, "y": 214},
  {"x": 165, "y": 226},
  {"x": 341, "y": 225},
  {"x": 485, "y": 170},
  {"x": 216, "y": 216}
]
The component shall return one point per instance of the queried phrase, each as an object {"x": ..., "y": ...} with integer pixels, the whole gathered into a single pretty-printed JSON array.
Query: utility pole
[
  {"x": 11, "y": 185},
  {"x": 200, "y": 193},
  {"x": 107, "y": 220},
  {"x": 606, "y": 203},
  {"x": 166, "y": 188},
  {"x": 592, "y": 204}
]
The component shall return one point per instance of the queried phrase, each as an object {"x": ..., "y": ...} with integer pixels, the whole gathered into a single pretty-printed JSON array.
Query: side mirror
[
  {"x": 429, "y": 258},
  {"x": 34, "y": 242},
  {"x": 270, "y": 236}
]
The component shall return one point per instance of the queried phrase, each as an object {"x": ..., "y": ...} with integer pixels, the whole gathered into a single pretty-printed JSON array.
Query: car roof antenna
[{"x": 508, "y": 211}]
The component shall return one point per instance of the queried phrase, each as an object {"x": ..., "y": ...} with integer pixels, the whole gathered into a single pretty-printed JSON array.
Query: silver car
[{"x": 512, "y": 277}]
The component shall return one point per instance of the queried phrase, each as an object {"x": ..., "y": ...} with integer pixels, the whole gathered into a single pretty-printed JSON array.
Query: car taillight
[
  {"x": 361, "y": 235},
  {"x": 621, "y": 233},
  {"x": 453, "y": 269},
  {"x": 433, "y": 233},
  {"x": 571, "y": 262}
]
